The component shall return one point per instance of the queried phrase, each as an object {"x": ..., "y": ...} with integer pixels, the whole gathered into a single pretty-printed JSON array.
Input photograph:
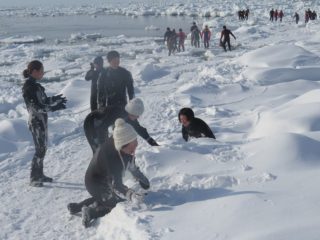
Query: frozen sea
[{"x": 257, "y": 181}]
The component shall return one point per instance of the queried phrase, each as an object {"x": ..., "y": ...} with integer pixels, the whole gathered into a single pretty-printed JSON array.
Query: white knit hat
[
  {"x": 135, "y": 107},
  {"x": 123, "y": 134}
]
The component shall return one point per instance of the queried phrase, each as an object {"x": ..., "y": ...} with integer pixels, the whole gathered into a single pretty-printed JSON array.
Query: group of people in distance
[
  {"x": 112, "y": 154},
  {"x": 310, "y": 15},
  {"x": 275, "y": 14},
  {"x": 243, "y": 14},
  {"x": 175, "y": 41}
]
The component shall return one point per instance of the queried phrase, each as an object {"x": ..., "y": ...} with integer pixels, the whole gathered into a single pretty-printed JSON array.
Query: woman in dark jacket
[
  {"x": 192, "y": 126},
  {"x": 103, "y": 178},
  {"x": 38, "y": 104}
]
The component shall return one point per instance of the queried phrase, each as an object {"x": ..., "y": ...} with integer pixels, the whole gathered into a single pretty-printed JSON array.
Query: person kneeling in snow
[
  {"x": 96, "y": 124},
  {"x": 192, "y": 126},
  {"x": 103, "y": 178}
]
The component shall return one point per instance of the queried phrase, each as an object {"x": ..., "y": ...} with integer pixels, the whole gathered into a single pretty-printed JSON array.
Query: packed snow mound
[
  {"x": 123, "y": 224},
  {"x": 300, "y": 151},
  {"x": 271, "y": 76},
  {"x": 150, "y": 71},
  {"x": 281, "y": 55},
  {"x": 295, "y": 117},
  {"x": 14, "y": 130}
]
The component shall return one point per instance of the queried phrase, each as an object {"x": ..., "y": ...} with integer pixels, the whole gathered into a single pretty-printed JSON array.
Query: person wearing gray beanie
[
  {"x": 135, "y": 108},
  {"x": 96, "y": 123},
  {"x": 104, "y": 175},
  {"x": 96, "y": 68}
]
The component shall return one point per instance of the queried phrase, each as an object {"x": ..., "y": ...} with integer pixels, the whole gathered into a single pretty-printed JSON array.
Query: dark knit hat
[{"x": 98, "y": 60}]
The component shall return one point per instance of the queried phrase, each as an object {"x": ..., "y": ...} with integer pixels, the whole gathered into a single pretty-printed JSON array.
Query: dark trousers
[
  {"x": 224, "y": 42},
  {"x": 93, "y": 102},
  {"x": 39, "y": 131},
  {"x": 206, "y": 43}
]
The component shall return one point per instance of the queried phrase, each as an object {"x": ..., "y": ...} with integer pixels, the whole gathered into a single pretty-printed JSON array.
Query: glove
[
  {"x": 144, "y": 185},
  {"x": 59, "y": 106},
  {"x": 134, "y": 197},
  {"x": 152, "y": 142},
  {"x": 58, "y": 99}
]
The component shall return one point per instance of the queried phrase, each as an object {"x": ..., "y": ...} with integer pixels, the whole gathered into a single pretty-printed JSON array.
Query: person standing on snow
[
  {"x": 181, "y": 37},
  {"x": 38, "y": 105},
  {"x": 196, "y": 37},
  {"x": 96, "y": 124},
  {"x": 166, "y": 37},
  {"x": 296, "y": 17},
  {"x": 103, "y": 179},
  {"x": 225, "y": 35},
  {"x": 281, "y": 15},
  {"x": 193, "y": 27},
  {"x": 271, "y": 14},
  {"x": 114, "y": 84},
  {"x": 192, "y": 126},
  {"x": 205, "y": 35},
  {"x": 92, "y": 75}
]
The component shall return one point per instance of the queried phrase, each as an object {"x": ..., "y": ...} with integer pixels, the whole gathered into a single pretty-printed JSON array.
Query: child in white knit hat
[{"x": 103, "y": 178}]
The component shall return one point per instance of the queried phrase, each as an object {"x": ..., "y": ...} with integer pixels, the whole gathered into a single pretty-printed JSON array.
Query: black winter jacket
[
  {"x": 197, "y": 128},
  {"x": 107, "y": 168},
  {"x": 113, "y": 87},
  {"x": 37, "y": 102}
]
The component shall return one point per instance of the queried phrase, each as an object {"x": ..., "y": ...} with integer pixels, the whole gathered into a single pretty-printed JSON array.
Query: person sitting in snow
[
  {"x": 92, "y": 75},
  {"x": 192, "y": 126},
  {"x": 96, "y": 124},
  {"x": 103, "y": 179}
]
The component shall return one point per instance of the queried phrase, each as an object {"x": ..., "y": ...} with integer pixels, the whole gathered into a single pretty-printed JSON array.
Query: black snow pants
[{"x": 39, "y": 131}]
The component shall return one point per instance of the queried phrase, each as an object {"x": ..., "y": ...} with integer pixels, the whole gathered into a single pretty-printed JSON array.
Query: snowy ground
[{"x": 255, "y": 182}]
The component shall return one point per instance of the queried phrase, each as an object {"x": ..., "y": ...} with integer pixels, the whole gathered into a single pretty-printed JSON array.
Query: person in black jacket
[
  {"x": 93, "y": 75},
  {"x": 225, "y": 35},
  {"x": 192, "y": 126},
  {"x": 103, "y": 177},
  {"x": 96, "y": 124},
  {"x": 114, "y": 84},
  {"x": 38, "y": 104}
]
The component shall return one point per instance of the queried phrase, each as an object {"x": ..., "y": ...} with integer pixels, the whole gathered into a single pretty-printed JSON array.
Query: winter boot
[
  {"x": 74, "y": 208},
  {"x": 86, "y": 216},
  {"x": 44, "y": 178},
  {"x": 35, "y": 180}
]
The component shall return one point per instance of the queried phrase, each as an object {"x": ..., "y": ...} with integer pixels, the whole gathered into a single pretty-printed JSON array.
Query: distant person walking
[
  {"x": 271, "y": 15},
  {"x": 92, "y": 75},
  {"x": 281, "y": 15},
  {"x": 181, "y": 38},
  {"x": 38, "y": 105},
  {"x": 225, "y": 38},
  {"x": 196, "y": 37},
  {"x": 193, "y": 27},
  {"x": 206, "y": 35},
  {"x": 296, "y": 17}
]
